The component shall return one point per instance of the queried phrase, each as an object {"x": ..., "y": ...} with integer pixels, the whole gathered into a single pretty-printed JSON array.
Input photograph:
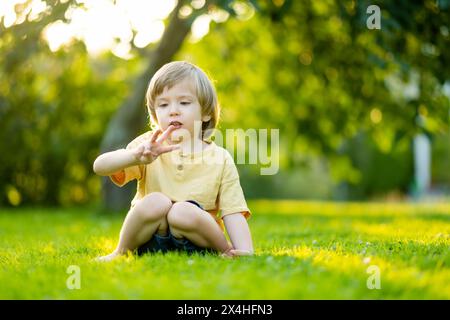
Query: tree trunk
[{"x": 131, "y": 117}]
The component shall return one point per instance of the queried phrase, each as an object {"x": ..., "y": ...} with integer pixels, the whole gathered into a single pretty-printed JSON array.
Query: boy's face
[{"x": 180, "y": 104}]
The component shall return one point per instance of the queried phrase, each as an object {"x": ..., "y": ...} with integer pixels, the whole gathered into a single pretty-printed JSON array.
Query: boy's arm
[
  {"x": 239, "y": 232},
  {"x": 111, "y": 162},
  {"x": 115, "y": 161}
]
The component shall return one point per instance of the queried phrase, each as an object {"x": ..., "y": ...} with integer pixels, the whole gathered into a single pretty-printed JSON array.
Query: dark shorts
[{"x": 170, "y": 243}]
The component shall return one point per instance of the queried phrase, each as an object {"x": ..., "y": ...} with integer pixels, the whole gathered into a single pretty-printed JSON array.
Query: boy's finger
[
  {"x": 155, "y": 135},
  {"x": 165, "y": 134},
  {"x": 169, "y": 148}
]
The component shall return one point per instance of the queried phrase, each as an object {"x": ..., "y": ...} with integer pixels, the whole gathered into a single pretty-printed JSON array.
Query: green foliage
[
  {"x": 441, "y": 159},
  {"x": 53, "y": 110},
  {"x": 380, "y": 172},
  {"x": 317, "y": 72}
]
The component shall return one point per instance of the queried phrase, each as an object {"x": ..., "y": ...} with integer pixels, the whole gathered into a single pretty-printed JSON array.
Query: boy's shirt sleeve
[
  {"x": 231, "y": 196},
  {"x": 124, "y": 176}
]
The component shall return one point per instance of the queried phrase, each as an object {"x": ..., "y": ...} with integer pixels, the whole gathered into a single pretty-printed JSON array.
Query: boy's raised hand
[{"x": 148, "y": 151}]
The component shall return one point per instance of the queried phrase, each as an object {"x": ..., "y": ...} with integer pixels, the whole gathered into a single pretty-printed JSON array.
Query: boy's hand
[
  {"x": 236, "y": 252},
  {"x": 148, "y": 151},
  {"x": 233, "y": 253}
]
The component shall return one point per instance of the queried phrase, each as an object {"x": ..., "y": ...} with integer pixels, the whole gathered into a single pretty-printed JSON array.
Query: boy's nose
[
  {"x": 174, "y": 112},
  {"x": 174, "y": 109}
]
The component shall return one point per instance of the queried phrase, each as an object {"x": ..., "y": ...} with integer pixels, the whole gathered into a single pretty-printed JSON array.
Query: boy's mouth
[{"x": 176, "y": 124}]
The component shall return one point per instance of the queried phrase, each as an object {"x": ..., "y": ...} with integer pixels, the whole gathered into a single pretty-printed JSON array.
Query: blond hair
[{"x": 172, "y": 73}]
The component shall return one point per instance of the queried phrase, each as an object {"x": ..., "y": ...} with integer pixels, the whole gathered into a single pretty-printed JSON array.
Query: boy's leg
[
  {"x": 186, "y": 220},
  {"x": 147, "y": 217}
]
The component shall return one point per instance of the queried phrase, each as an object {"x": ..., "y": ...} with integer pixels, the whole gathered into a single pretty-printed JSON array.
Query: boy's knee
[
  {"x": 181, "y": 216},
  {"x": 153, "y": 206}
]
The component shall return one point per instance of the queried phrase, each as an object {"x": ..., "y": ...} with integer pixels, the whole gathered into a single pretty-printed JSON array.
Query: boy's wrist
[{"x": 135, "y": 155}]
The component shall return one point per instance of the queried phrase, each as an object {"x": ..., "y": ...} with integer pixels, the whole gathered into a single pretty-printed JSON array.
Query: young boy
[{"x": 188, "y": 187}]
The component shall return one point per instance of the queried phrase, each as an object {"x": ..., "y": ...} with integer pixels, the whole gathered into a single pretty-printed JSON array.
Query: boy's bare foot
[{"x": 108, "y": 257}]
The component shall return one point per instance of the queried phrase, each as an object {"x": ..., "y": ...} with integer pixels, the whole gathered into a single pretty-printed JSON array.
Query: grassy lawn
[{"x": 304, "y": 250}]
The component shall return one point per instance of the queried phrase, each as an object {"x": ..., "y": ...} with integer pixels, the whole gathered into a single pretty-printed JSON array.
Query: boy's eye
[
  {"x": 163, "y": 105},
  {"x": 185, "y": 102}
]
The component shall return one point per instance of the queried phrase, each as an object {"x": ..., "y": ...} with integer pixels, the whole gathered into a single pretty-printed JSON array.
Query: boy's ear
[{"x": 206, "y": 118}]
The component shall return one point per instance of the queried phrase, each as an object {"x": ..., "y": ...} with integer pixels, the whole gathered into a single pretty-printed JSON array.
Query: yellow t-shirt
[{"x": 209, "y": 177}]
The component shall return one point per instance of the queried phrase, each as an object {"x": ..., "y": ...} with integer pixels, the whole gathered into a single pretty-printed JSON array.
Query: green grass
[{"x": 304, "y": 250}]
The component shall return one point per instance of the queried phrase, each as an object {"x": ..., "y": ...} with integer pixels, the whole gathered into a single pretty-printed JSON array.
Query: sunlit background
[
  {"x": 108, "y": 25},
  {"x": 365, "y": 120}
]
